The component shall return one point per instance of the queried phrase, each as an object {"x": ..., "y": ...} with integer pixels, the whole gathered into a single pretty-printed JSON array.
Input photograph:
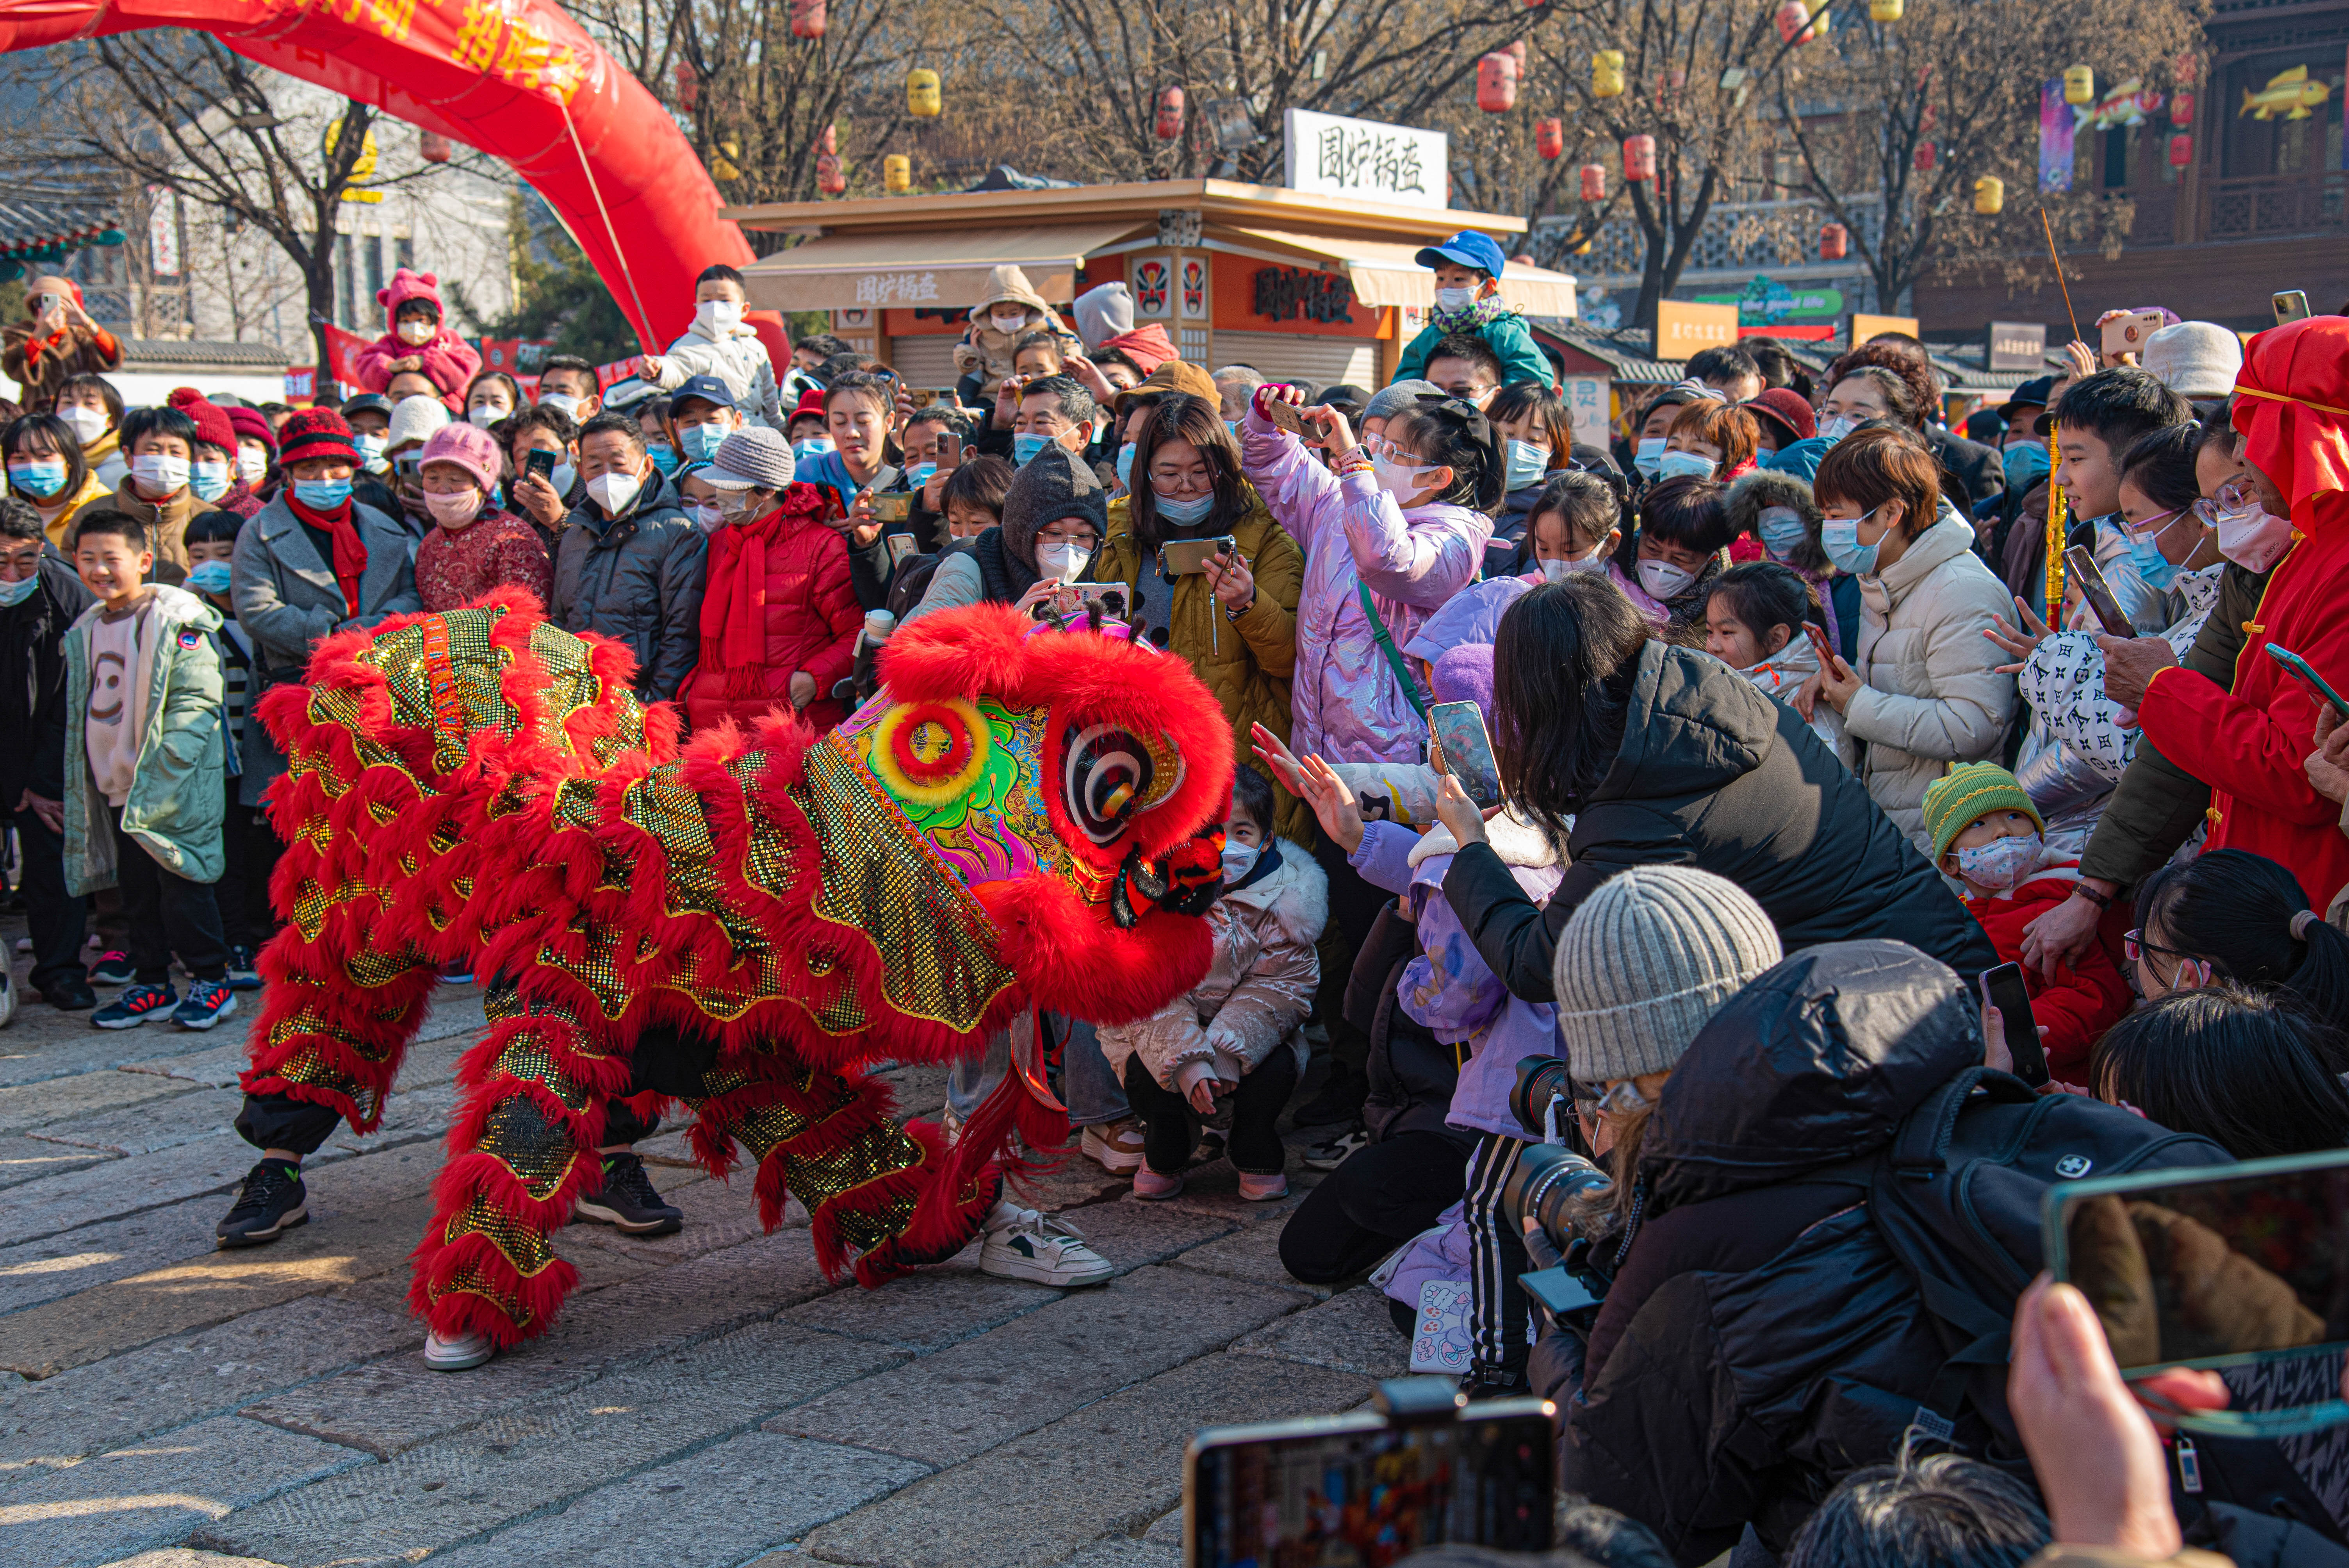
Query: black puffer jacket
[
  {"x": 1714, "y": 774},
  {"x": 637, "y": 579}
]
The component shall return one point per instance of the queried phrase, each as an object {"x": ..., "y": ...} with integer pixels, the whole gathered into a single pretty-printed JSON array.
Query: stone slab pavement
[{"x": 708, "y": 1400}]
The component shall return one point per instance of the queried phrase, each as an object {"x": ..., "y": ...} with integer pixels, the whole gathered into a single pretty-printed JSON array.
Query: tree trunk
[{"x": 318, "y": 293}]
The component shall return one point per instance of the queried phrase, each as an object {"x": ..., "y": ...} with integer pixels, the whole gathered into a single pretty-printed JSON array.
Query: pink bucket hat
[{"x": 468, "y": 446}]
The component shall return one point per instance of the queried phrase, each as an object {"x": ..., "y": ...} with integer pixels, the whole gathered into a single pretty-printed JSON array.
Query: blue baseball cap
[
  {"x": 1467, "y": 248},
  {"x": 708, "y": 389}
]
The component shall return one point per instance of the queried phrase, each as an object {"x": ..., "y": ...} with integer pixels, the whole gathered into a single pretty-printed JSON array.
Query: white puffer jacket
[
  {"x": 736, "y": 358},
  {"x": 1933, "y": 695}
]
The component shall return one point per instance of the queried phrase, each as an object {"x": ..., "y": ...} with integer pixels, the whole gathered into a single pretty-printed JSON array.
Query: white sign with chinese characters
[
  {"x": 1335, "y": 156},
  {"x": 1586, "y": 401},
  {"x": 897, "y": 288}
]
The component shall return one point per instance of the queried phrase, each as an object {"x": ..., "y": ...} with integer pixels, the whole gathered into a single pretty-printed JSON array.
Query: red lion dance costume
[{"x": 1020, "y": 819}]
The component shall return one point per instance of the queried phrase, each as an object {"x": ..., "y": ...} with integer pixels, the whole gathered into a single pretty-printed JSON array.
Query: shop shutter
[
  {"x": 925, "y": 361},
  {"x": 1285, "y": 355}
]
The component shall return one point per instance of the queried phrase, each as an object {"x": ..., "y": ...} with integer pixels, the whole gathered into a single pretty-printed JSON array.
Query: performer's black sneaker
[
  {"x": 628, "y": 1200},
  {"x": 271, "y": 1202}
]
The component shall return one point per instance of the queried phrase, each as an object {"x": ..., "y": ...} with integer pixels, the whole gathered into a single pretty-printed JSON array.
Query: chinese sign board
[
  {"x": 1336, "y": 156},
  {"x": 1293, "y": 293},
  {"x": 2018, "y": 345},
  {"x": 1587, "y": 402},
  {"x": 1683, "y": 329}
]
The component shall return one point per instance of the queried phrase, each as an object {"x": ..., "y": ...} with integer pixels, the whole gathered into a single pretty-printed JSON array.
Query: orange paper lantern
[
  {"x": 1798, "y": 24},
  {"x": 1594, "y": 182},
  {"x": 433, "y": 148},
  {"x": 1549, "y": 137},
  {"x": 2181, "y": 107},
  {"x": 1638, "y": 158},
  {"x": 829, "y": 178},
  {"x": 1496, "y": 83}
]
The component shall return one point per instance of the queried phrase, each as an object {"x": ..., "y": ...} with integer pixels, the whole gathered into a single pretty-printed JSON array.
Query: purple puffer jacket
[{"x": 1344, "y": 702}]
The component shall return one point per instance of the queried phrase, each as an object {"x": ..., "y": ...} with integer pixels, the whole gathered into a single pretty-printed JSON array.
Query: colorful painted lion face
[{"x": 1019, "y": 821}]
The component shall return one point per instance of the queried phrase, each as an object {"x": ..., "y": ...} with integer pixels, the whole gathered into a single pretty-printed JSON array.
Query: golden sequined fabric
[
  {"x": 540, "y": 1153},
  {"x": 524, "y": 1247}
]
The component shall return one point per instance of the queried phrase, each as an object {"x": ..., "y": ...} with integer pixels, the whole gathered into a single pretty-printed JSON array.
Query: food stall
[{"x": 1297, "y": 283}]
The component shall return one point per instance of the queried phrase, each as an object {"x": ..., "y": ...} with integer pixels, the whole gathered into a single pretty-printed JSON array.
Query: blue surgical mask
[
  {"x": 1650, "y": 452},
  {"x": 700, "y": 442},
  {"x": 1782, "y": 532},
  {"x": 1835, "y": 427},
  {"x": 921, "y": 474},
  {"x": 1839, "y": 536},
  {"x": 1689, "y": 465},
  {"x": 808, "y": 446},
  {"x": 2025, "y": 463},
  {"x": 2145, "y": 554},
  {"x": 1528, "y": 463},
  {"x": 322, "y": 495},
  {"x": 371, "y": 450},
  {"x": 41, "y": 477},
  {"x": 664, "y": 457},
  {"x": 1188, "y": 512},
  {"x": 1125, "y": 467},
  {"x": 209, "y": 480},
  {"x": 1025, "y": 446},
  {"x": 208, "y": 577},
  {"x": 15, "y": 594}
]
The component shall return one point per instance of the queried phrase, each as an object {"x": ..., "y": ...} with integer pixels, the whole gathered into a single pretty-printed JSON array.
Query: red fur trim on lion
[{"x": 1082, "y": 965}]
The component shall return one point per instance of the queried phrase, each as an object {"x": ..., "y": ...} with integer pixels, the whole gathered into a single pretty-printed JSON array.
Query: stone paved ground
[{"x": 707, "y": 1399}]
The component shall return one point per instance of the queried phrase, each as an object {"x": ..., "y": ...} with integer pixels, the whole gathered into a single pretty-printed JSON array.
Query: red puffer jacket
[
  {"x": 2086, "y": 997},
  {"x": 778, "y": 601}
]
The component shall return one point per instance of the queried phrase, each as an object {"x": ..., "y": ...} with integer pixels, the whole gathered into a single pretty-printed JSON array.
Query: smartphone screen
[
  {"x": 1346, "y": 1490},
  {"x": 2004, "y": 989},
  {"x": 2216, "y": 1267},
  {"x": 1459, "y": 728},
  {"x": 540, "y": 461},
  {"x": 2097, "y": 591}
]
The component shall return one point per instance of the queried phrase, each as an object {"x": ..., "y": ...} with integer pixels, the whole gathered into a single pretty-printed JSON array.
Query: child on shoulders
[{"x": 418, "y": 341}]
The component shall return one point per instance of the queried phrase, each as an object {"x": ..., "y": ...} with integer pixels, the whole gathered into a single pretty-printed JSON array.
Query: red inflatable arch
[{"x": 517, "y": 78}]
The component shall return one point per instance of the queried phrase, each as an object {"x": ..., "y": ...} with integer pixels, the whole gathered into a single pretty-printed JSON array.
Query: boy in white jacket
[
  {"x": 1233, "y": 1048},
  {"x": 721, "y": 344}
]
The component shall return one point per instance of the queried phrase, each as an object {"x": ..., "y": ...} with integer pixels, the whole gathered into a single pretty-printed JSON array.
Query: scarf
[
  {"x": 734, "y": 602},
  {"x": 1474, "y": 319},
  {"x": 350, "y": 563}
]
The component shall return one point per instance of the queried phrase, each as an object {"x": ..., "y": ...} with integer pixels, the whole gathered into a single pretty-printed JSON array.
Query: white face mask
[
  {"x": 417, "y": 333},
  {"x": 562, "y": 402},
  {"x": 1238, "y": 861},
  {"x": 708, "y": 518},
  {"x": 1062, "y": 562},
  {"x": 1400, "y": 480},
  {"x": 1662, "y": 580},
  {"x": 481, "y": 416},
  {"x": 1450, "y": 300},
  {"x": 1559, "y": 571},
  {"x": 87, "y": 424},
  {"x": 2001, "y": 864},
  {"x": 716, "y": 316},
  {"x": 159, "y": 476},
  {"x": 613, "y": 492},
  {"x": 2248, "y": 534},
  {"x": 252, "y": 463},
  {"x": 1834, "y": 427},
  {"x": 453, "y": 512},
  {"x": 1009, "y": 321}
]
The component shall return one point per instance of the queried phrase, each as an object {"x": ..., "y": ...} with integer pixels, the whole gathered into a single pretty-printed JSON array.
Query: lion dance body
[{"x": 1020, "y": 819}]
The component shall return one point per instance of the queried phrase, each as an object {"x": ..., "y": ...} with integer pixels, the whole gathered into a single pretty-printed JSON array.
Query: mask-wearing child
[
  {"x": 1229, "y": 1054},
  {"x": 1989, "y": 835},
  {"x": 1575, "y": 527},
  {"x": 1754, "y": 623}
]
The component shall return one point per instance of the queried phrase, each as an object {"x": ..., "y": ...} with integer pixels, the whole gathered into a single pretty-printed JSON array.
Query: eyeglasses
[
  {"x": 1618, "y": 1100},
  {"x": 2134, "y": 945}
]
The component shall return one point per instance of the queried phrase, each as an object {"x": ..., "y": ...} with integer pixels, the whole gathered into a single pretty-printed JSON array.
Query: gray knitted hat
[
  {"x": 1389, "y": 401},
  {"x": 1053, "y": 484},
  {"x": 1645, "y": 962},
  {"x": 753, "y": 455}
]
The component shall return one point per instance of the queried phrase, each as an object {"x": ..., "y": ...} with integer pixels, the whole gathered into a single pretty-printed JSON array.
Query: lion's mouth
[{"x": 1185, "y": 882}]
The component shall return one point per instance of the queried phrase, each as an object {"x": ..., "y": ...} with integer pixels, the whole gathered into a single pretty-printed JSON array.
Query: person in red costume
[
  {"x": 418, "y": 341},
  {"x": 56, "y": 340},
  {"x": 2292, "y": 409}
]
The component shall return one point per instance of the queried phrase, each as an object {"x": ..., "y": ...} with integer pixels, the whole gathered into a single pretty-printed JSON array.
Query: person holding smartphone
[{"x": 55, "y": 342}]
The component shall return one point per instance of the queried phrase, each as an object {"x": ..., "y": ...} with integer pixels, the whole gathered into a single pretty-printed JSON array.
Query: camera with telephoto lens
[{"x": 1545, "y": 1192}]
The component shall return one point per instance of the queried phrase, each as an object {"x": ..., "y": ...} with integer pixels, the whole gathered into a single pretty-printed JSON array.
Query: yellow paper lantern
[
  {"x": 1884, "y": 10},
  {"x": 897, "y": 174},
  {"x": 1607, "y": 74},
  {"x": 2079, "y": 84},
  {"x": 721, "y": 166},
  {"x": 922, "y": 100},
  {"x": 1990, "y": 195}
]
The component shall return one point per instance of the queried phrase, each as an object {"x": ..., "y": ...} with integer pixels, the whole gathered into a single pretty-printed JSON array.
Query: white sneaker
[
  {"x": 1024, "y": 1244},
  {"x": 462, "y": 1354},
  {"x": 1115, "y": 1146}
]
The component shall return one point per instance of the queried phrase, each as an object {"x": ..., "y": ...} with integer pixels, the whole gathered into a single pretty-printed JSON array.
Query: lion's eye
[{"x": 1106, "y": 775}]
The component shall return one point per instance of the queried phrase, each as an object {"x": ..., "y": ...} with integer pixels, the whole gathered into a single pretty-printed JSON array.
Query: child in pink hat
[
  {"x": 474, "y": 545},
  {"x": 418, "y": 340}
]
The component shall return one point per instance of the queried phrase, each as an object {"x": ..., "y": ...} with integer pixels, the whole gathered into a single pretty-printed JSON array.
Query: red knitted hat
[
  {"x": 810, "y": 402},
  {"x": 213, "y": 427},
  {"x": 252, "y": 425},
  {"x": 315, "y": 433},
  {"x": 1785, "y": 407}
]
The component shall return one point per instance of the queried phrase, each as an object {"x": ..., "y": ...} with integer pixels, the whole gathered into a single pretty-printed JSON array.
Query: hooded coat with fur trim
[
  {"x": 449, "y": 361},
  {"x": 1259, "y": 987}
]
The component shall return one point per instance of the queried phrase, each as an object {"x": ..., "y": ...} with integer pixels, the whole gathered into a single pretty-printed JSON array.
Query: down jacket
[
  {"x": 737, "y": 357},
  {"x": 174, "y": 808},
  {"x": 636, "y": 580},
  {"x": 1345, "y": 701},
  {"x": 2063, "y": 681},
  {"x": 1258, "y": 986},
  {"x": 778, "y": 601},
  {"x": 1931, "y": 693},
  {"x": 1714, "y": 775}
]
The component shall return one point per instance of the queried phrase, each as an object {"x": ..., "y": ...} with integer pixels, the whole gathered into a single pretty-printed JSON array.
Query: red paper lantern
[
  {"x": 2183, "y": 68},
  {"x": 688, "y": 87},
  {"x": 1516, "y": 51},
  {"x": 2181, "y": 150},
  {"x": 1835, "y": 242},
  {"x": 829, "y": 179},
  {"x": 829, "y": 142},
  {"x": 1496, "y": 83},
  {"x": 1638, "y": 158},
  {"x": 1923, "y": 158},
  {"x": 2181, "y": 107},
  {"x": 1549, "y": 137},
  {"x": 1169, "y": 124},
  {"x": 1594, "y": 182},
  {"x": 807, "y": 18},
  {"x": 433, "y": 148},
  {"x": 1795, "y": 23}
]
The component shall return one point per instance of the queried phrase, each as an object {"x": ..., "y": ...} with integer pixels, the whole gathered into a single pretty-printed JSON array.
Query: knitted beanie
[
  {"x": 1392, "y": 399},
  {"x": 252, "y": 425},
  {"x": 1644, "y": 963},
  {"x": 315, "y": 433},
  {"x": 753, "y": 456},
  {"x": 1958, "y": 799},
  {"x": 1056, "y": 483},
  {"x": 213, "y": 427},
  {"x": 413, "y": 419},
  {"x": 473, "y": 450},
  {"x": 1786, "y": 409}
]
